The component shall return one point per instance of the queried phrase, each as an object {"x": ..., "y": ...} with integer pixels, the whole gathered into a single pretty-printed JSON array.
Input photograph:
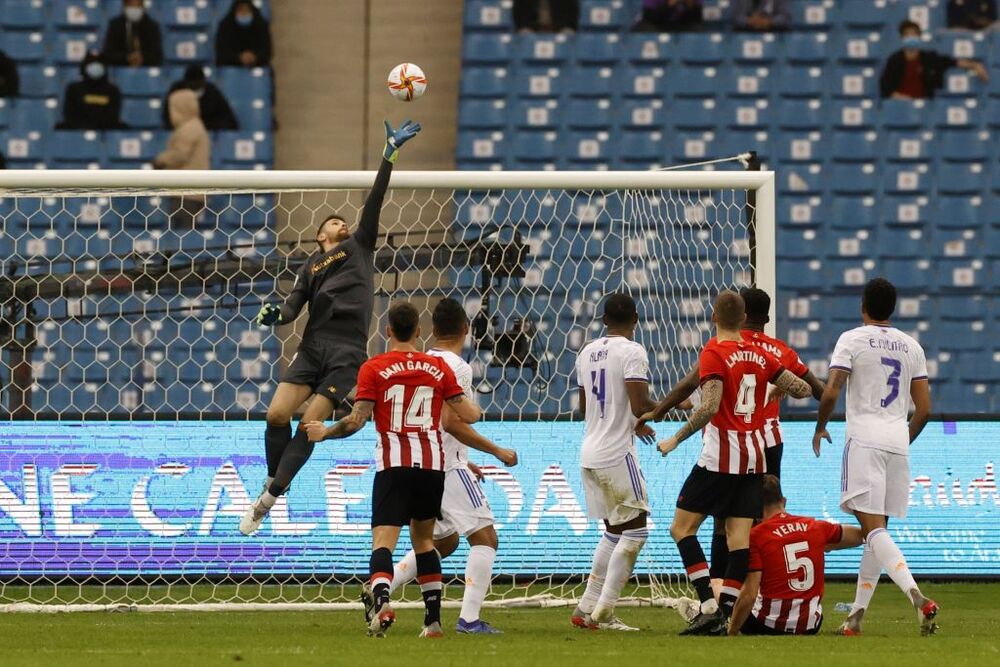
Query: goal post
[{"x": 133, "y": 379}]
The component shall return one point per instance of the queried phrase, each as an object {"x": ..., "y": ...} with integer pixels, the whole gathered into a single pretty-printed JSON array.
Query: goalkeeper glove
[
  {"x": 269, "y": 315},
  {"x": 396, "y": 138}
]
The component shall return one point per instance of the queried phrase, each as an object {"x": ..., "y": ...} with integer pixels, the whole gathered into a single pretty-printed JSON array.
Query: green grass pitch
[{"x": 969, "y": 635}]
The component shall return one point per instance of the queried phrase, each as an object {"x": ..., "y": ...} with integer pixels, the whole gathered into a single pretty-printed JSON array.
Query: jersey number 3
[
  {"x": 746, "y": 397},
  {"x": 419, "y": 413}
]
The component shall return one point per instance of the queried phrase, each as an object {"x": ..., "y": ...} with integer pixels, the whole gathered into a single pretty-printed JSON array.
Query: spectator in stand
[
  {"x": 133, "y": 38},
  {"x": 216, "y": 114},
  {"x": 243, "y": 38},
  {"x": 761, "y": 15},
  {"x": 912, "y": 73},
  {"x": 972, "y": 14},
  {"x": 546, "y": 15},
  {"x": 189, "y": 147},
  {"x": 93, "y": 103},
  {"x": 669, "y": 16},
  {"x": 10, "y": 83}
]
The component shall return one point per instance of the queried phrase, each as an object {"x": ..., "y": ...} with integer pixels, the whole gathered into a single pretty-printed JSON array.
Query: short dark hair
[
  {"x": 449, "y": 317},
  {"x": 909, "y": 25},
  {"x": 619, "y": 309},
  {"x": 332, "y": 216},
  {"x": 403, "y": 320},
  {"x": 757, "y": 304},
  {"x": 194, "y": 73},
  {"x": 729, "y": 309},
  {"x": 879, "y": 300},
  {"x": 772, "y": 491}
]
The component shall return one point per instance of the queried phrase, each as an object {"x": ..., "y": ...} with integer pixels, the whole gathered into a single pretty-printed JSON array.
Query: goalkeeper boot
[
  {"x": 477, "y": 627},
  {"x": 927, "y": 611},
  {"x": 382, "y": 620},
  {"x": 432, "y": 631},
  {"x": 253, "y": 517},
  {"x": 706, "y": 624}
]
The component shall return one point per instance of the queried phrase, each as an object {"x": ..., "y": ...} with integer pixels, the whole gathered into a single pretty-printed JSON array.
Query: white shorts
[
  {"x": 464, "y": 508},
  {"x": 616, "y": 494},
  {"x": 874, "y": 481}
]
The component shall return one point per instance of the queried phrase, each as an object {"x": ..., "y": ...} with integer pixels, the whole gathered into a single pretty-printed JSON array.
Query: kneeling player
[
  {"x": 783, "y": 592},
  {"x": 613, "y": 374},
  {"x": 464, "y": 509},
  {"x": 406, "y": 390}
]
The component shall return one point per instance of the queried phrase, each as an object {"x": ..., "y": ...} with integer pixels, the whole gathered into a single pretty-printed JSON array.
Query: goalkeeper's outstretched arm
[
  {"x": 271, "y": 314},
  {"x": 367, "y": 233}
]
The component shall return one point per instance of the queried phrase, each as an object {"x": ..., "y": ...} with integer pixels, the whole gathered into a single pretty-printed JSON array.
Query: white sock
[
  {"x": 602, "y": 554},
  {"x": 868, "y": 575},
  {"x": 619, "y": 572},
  {"x": 478, "y": 575},
  {"x": 404, "y": 572},
  {"x": 891, "y": 559}
]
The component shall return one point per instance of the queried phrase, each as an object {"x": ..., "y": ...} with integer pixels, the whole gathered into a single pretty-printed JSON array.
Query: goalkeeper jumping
[{"x": 338, "y": 285}]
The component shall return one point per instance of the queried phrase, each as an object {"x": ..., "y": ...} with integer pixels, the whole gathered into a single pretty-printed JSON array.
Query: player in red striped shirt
[
  {"x": 783, "y": 592},
  {"x": 406, "y": 390},
  {"x": 727, "y": 481}
]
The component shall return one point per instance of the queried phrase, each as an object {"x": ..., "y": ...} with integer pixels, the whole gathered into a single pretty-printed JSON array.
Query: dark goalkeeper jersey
[{"x": 339, "y": 285}]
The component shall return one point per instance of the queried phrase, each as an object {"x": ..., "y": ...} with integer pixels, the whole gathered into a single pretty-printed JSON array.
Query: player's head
[
  {"x": 774, "y": 500},
  {"x": 333, "y": 229},
  {"x": 729, "y": 312},
  {"x": 404, "y": 322},
  {"x": 757, "y": 304},
  {"x": 620, "y": 311},
  {"x": 450, "y": 320},
  {"x": 879, "y": 300}
]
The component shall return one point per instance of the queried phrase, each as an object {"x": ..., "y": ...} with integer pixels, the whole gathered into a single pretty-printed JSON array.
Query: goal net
[{"x": 134, "y": 380}]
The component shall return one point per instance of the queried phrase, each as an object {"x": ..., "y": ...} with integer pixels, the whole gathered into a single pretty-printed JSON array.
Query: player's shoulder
[
  {"x": 454, "y": 361},
  {"x": 912, "y": 343}
]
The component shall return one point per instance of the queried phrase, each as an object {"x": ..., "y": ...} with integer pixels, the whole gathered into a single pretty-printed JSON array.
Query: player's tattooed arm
[
  {"x": 677, "y": 395},
  {"x": 788, "y": 383},
  {"x": 711, "y": 399},
  {"x": 920, "y": 393},
  {"x": 466, "y": 410},
  {"x": 834, "y": 384},
  {"x": 744, "y": 603},
  {"x": 349, "y": 425}
]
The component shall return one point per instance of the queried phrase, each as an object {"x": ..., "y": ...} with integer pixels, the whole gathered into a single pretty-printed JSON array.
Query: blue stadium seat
[
  {"x": 805, "y": 274},
  {"x": 244, "y": 148},
  {"x": 960, "y": 273},
  {"x": 695, "y": 82},
  {"x": 700, "y": 48},
  {"x": 77, "y": 15},
  {"x": 692, "y": 146},
  {"x": 71, "y": 47},
  {"x": 145, "y": 113},
  {"x": 648, "y": 49},
  {"x": 903, "y": 114},
  {"x": 639, "y": 146},
  {"x": 540, "y": 49},
  {"x": 529, "y": 114},
  {"x": 909, "y": 146},
  {"x": 963, "y": 145},
  {"x": 242, "y": 83},
  {"x": 906, "y": 179},
  {"x": 865, "y": 15},
  {"x": 906, "y": 274},
  {"x": 694, "y": 114},
  {"x": 186, "y": 15},
  {"x": 960, "y": 178},
  {"x": 965, "y": 243},
  {"x": 22, "y": 14},
  {"x": 25, "y": 47},
  {"x": 855, "y": 146},
  {"x": 141, "y": 81},
  {"x": 902, "y": 243},
  {"x": 748, "y": 81},
  {"x": 596, "y": 48},
  {"x": 184, "y": 48},
  {"x": 964, "y": 44},
  {"x": 800, "y": 147},
  {"x": 593, "y": 114},
  {"x": 642, "y": 82},
  {"x": 857, "y": 48},
  {"x": 801, "y": 115},
  {"x": 748, "y": 115},
  {"x": 134, "y": 145},
  {"x": 586, "y": 147},
  {"x": 603, "y": 15},
  {"x": 794, "y": 177},
  {"x": 540, "y": 81},
  {"x": 483, "y": 114},
  {"x": 961, "y": 84},
  {"x": 592, "y": 81},
  {"x": 799, "y": 243},
  {"x": 954, "y": 114},
  {"x": 484, "y": 81},
  {"x": 906, "y": 211},
  {"x": 806, "y": 47},
  {"x": 959, "y": 211},
  {"x": 479, "y": 48},
  {"x": 811, "y": 15},
  {"x": 853, "y": 179},
  {"x": 34, "y": 114},
  {"x": 479, "y": 146},
  {"x": 802, "y": 81},
  {"x": 979, "y": 366},
  {"x": 797, "y": 211},
  {"x": 852, "y": 81},
  {"x": 851, "y": 272},
  {"x": 753, "y": 49},
  {"x": 39, "y": 81},
  {"x": 71, "y": 148},
  {"x": 482, "y": 15},
  {"x": 647, "y": 114},
  {"x": 852, "y": 114}
]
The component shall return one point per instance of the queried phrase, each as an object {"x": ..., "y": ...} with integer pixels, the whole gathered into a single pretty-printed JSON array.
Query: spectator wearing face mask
[
  {"x": 912, "y": 73},
  {"x": 243, "y": 38},
  {"x": 93, "y": 103},
  {"x": 133, "y": 38},
  {"x": 216, "y": 113}
]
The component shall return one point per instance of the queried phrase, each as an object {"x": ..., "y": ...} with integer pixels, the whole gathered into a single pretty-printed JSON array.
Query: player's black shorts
[
  {"x": 722, "y": 494},
  {"x": 753, "y": 626},
  {"x": 328, "y": 367},
  {"x": 404, "y": 494},
  {"x": 772, "y": 457}
]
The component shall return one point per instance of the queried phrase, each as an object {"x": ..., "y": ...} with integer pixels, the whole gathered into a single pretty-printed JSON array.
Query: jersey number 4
[
  {"x": 799, "y": 565},
  {"x": 746, "y": 397},
  {"x": 419, "y": 413},
  {"x": 598, "y": 388}
]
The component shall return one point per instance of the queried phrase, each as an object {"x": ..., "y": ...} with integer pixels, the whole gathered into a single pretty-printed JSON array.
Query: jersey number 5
[
  {"x": 800, "y": 565},
  {"x": 419, "y": 413},
  {"x": 746, "y": 397}
]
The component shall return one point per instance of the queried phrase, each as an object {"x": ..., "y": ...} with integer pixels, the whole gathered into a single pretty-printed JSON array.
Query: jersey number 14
[{"x": 419, "y": 413}]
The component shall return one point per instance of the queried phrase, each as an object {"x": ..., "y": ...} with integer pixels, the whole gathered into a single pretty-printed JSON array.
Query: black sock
[
  {"x": 736, "y": 574},
  {"x": 720, "y": 549},
  {"x": 296, "y": 454},
  {"x": 380, "y": 575},
  {"x": 275, "y": 440},
  {"x": 429, "y": 578},
  {"x": 697, "y": 569}
]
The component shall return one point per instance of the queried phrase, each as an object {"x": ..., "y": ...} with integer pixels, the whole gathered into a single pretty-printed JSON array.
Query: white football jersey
[
  {"x": 882, "y": 361},
  {"x": 602, "y": 369},
  {"x": 456, "y": 455}
]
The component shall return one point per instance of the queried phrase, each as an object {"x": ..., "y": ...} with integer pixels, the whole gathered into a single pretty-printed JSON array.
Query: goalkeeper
[{"x": 338, "y": 285}]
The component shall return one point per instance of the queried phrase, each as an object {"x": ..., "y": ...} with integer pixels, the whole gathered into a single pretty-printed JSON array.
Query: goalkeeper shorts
[{"x": 329, "y": 368}]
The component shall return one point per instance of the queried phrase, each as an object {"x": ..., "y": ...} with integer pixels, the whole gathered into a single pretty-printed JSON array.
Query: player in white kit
[
  {"x": 613, "y": 375},
  {"x": 464, "y": 508},
  {"x": 885, "y": 371}
]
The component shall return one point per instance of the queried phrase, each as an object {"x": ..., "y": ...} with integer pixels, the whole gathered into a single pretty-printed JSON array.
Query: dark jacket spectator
[
  {"x": 244, "y": 37},
  {"x": 971, "y": 14},
  {"x": 133, "y": 38},
  {"x": 546, "y": 15},
  {"x": 761, "y": 15},
  {"x": 10, "y": 83},
  {"x": 216, "y": 113},
  {"x": 912, "y": 73},
  {"x": 669, "y": 16},
  {"x": 94, "y": 103}
]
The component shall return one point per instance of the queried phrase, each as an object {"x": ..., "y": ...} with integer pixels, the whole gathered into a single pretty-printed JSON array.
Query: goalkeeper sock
[
  {"x": 736, "y": 574},
  {"x": 868, "y": 576},
  {"x": 380, "y": 571},
  {"x": 405, "y": 572},
  {"x": 599, "y": 569},
  {"x": 478, "y": 576},
  {"x": 275, "y": 440},
  {"x": 720, "y": 550},
  {"x": 892, "y": 561},
  {"x": 619, "y": 571},
  {"x": 296, "y": 454},
  {"x": 429, "y": 578},
  {"x": 697, "y": 571}
]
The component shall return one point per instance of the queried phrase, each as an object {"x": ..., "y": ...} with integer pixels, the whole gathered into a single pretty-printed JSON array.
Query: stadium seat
[
  {"x": 748, "y": 115},
  {"x": 141, "y": 81},
  {"x": 72, "y": 148},
  {"x": 639, "y": 146},
  {"x": 959, "y": 211},
  {"x": 71, "y": 47},
  {"x": 39, "y": 81},
  {"x": 544, "y": 82},
  {"x": 596, "y": 48},
  {"x": 583, "y": 147},
  {"x": 644, "y": 82},
  {"x": 979, "y": 366},
  {"x": 857, "y": 48},
  {"x": 132, "y": 145},
  {"x": 902, "y": 243},
  {"x": 805, "y": 274},
  {"x": 748, "y": 81},
  {"x": 852, "y": 81},
  {"x": 963, "y": 145},
  {"x": 529, "y": 114},
  {"x": 906, "y": 179},
  {"x": 965, "y": 243},
  {"x": 648, "y": 49},
  {"x": 799, "y": 147},
  {"x": 811, "y": 15},
  {"x": 960, "y": 178},
  {"x": 907, "y": 274},
  {"x": 909, "y": 146},
  {"x": 907, "y": 211},
  {"x": 853, "y": 213},
  {"x": 959, "y": 336},
  {"x": 144, "y": 113},
  {"x": 964, "y": 44},
  {"x": 484, "y": 82},
  {"x": 799, "y": 243},
  {"x": 481, "y": 146},
  {"x": 603, "y": 15},
  {"x": 853, "y": 179},
  {"x": 854, "y": 146},
  {"x": 483, "y": 15},
  {"x": 692, "y": 146},
  {"x": 540, "y": 49},
  {"x": 34, "y": 114},
  {"x": 184, "y": 48},
  {"x": 961, "y": 84},
  {"x": 648, "y": 114},
  {"x": 242, "y": 83},
  {"x": 803, "y": 81},
  {"x": 484, "y": 114},
  {"x": 955, "y": 114},
  {"x": 852, "y": 115},
  {"x": 186, "y": 15},
  {"x": 794, "y": 177},
  {"x": 693, "y": 114},
  {"x": 24, "y": 47},
  {"x": 866, "y": 15},
  {"x": 593, "y": 81},
  {"x": 696, "y": 82},
  {"x": 22, "y": 15},
  {"x": 806, "y": 48},
  {"x": 700, "y": 49},
  {"x": 595, "y": 114},
  {"x": 959, "y": 274},
  {"x": 751, "y": 49},
  {"x": 488, "y": 48},
  {"x": 244, "y": 148},
  {"x": 77, "y": 15},
  {"x": 801, "y": 115}
]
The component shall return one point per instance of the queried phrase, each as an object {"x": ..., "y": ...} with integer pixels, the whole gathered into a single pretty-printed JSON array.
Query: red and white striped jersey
[
  {"x": 790, "y": 361},
  {"x": 734, "y": 441},
  {"x": 789, "y": 553},
  {"x": 408, "y": 390}
]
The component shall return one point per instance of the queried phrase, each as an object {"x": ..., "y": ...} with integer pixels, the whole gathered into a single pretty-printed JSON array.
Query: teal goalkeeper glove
[
  {"x": 396, "y": 138},
  {"x": 269, "y": 315}
]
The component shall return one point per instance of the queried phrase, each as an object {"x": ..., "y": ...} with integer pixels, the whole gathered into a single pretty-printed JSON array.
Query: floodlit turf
[{"x": 969, "y": 635}]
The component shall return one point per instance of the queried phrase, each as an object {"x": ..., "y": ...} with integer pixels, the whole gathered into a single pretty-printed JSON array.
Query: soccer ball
[{"x": 407, "y": 82}]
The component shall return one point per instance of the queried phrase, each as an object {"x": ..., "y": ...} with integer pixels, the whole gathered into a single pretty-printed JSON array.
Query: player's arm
[
  {"x": 679, "y": 393},
  {"x": 834, "y": 384},
  {"x": 272, "y": 313},
  {"x": 583, "y": 402},
  {"x": 788, "y": 383},
  {"x": 349, "y": 425},
  {"x": 466, "y": 410},
  {"x": 744, "y": 603},
  {"x": 471, "y": 438},
  {"x": 815, "y": 384},
  {"x": 850, "y": 537},
  {"x": 367, "y": 232},
  {"x": 920, "y": 394},
  {"x": 711, "y": 399}
]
